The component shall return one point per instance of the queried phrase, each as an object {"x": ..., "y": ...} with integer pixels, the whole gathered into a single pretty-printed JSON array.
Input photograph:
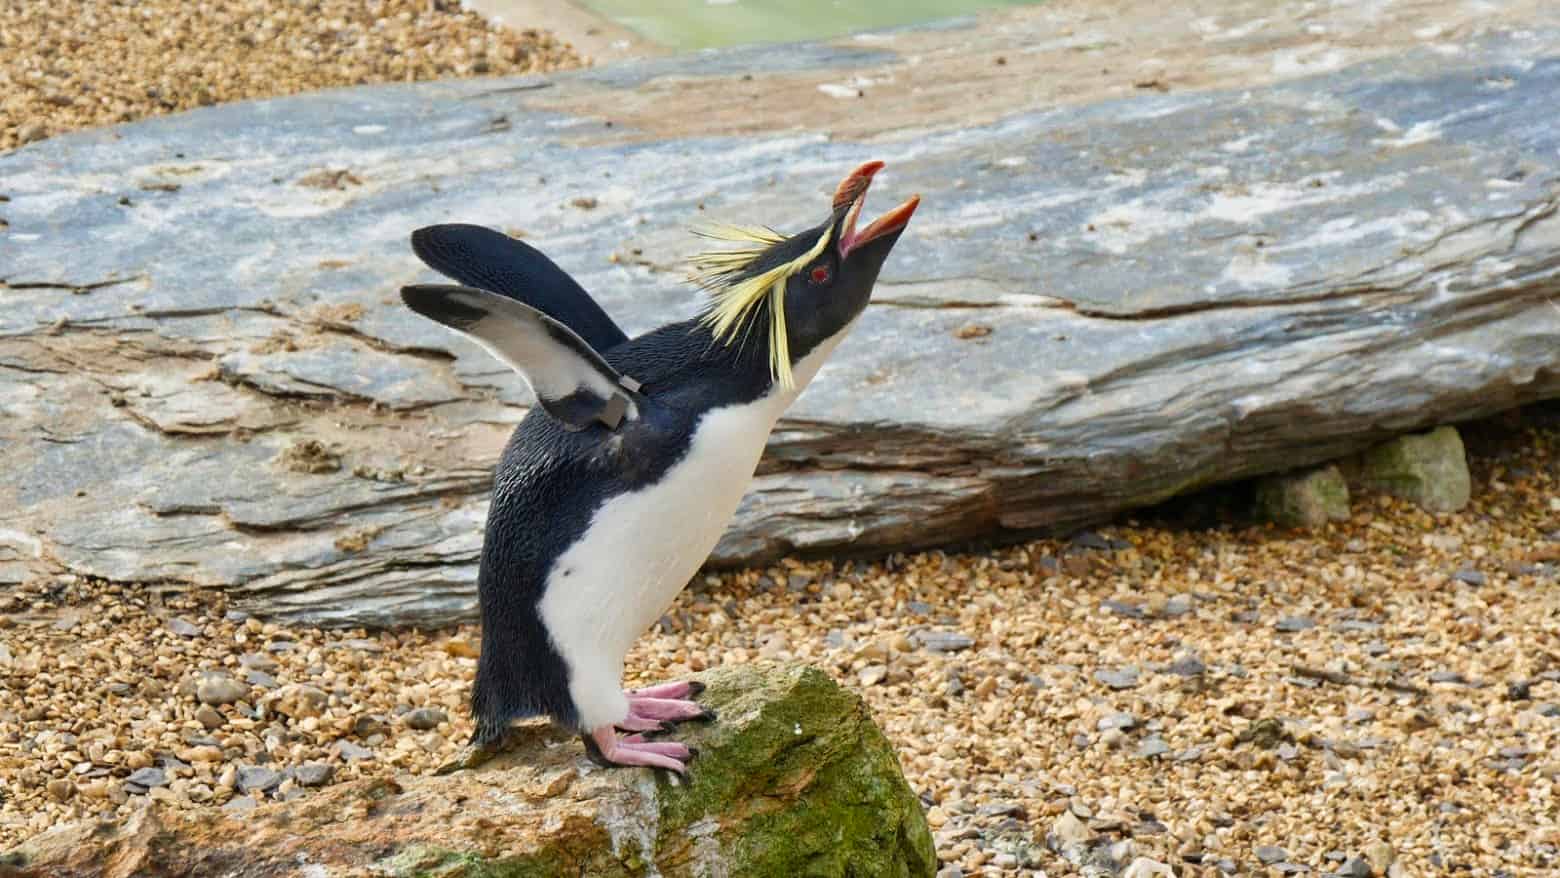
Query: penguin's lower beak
[{"x": 852, "y": 195}]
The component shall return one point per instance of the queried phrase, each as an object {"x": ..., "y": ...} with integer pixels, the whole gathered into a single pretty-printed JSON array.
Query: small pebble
[
  {"x": 1122, "y": 721},
  {"x": 219, "y": 689},
  {"x": 183, "y": 627},
  {"x": 945, "y": 641},
  {"x": 313, "y": 774},
  {"x": 1380, "y": 855},
  {"x": 209, "y": 717},
  {"x": 1121, "y": 608},
  {"x": 1269, "y": 854},
  {"x": 148, "y": 777},
  {"x": 258, "y": 661},
  {"x": 259, "y": 778},
  {"x": 1124, "y": 678},
  {"x": 1152, "y": 746},
  {"x": 424, "y": 718},
  {"x": 351, "y": 752},
  {"x": 1470, "y": 576},
  {"x": 300, "y": 701},
  {"x": 369, "y": 725}
]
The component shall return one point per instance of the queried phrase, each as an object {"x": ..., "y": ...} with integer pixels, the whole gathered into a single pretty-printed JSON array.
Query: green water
[{"x": 702, "y": 24}]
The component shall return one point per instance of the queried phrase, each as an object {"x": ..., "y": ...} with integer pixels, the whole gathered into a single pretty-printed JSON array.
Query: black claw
[
  {"x": 708, "y": 715},
  {"x": 668, "y": 726},
  {"x": 593, "y": 752},
  {"x": 692, "y": 752},
  {"x": 695, "y": 689}
]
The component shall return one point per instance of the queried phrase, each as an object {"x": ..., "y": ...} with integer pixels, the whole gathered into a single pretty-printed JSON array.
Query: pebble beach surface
[
  {"x": 68, "y": 64},
  {"x": 1211, "y": 696},
  {"x": 1379, "y": 697}
]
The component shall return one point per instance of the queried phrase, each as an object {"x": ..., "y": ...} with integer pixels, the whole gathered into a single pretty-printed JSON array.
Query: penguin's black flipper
[
  {"x": 570, "y": 379},
  {"x": 491, "y": 260}
]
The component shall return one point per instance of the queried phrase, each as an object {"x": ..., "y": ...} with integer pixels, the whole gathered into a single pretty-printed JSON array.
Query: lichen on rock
[
  {"x": 1306, "y": 499},
  {"x": 1430, "y": 469}
]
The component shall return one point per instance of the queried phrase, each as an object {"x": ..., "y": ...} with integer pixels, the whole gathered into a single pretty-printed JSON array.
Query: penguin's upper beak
[{"x": 848, "y": 200}]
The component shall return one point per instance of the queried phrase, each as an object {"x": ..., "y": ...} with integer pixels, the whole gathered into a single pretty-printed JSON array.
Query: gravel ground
[
  {"x": 68, "y": 64},
  {"x": 1201, "y": 695}
]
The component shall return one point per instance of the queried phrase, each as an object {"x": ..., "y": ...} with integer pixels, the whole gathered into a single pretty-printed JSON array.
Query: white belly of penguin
[{"x": 642, "y": 547}]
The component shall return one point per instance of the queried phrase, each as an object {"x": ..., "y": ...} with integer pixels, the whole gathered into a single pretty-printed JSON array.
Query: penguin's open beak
[{"x": 851, "y": 195}]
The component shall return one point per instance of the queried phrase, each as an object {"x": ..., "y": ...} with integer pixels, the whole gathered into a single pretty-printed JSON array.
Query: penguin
[{"x": 615, "y": 487}]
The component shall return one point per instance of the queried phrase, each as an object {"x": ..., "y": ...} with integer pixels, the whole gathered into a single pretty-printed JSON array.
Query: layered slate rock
[
  {"x": 1141, "y": 290},
  {"x": 793, "y": 779}
]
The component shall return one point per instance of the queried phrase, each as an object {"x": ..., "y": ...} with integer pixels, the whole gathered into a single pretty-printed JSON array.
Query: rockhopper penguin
[{"x": 614, "y": 489}]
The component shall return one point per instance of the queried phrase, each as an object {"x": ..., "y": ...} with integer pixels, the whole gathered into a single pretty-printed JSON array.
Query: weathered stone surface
[
  {"x": 1430, "y": 469},
  {"x": 1309, "y": 498},
  {"x": 218, "y": 689},
  {"x": 794, "y": 779},
  {"x": 1181, "y": 287}
]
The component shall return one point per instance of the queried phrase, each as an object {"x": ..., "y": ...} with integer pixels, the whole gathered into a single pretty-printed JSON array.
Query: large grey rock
[{"x": 1181, "y": 287}]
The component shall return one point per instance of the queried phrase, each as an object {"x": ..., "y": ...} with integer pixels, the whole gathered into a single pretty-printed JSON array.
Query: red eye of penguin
[{"x": 820, "y": 274}]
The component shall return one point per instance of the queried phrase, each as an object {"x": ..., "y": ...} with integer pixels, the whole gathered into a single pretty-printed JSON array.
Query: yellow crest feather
[{"x": 737, "y": 295}]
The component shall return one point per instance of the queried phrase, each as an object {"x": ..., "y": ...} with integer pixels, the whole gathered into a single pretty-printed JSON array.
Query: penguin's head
[{"x": 803, "y": 289}]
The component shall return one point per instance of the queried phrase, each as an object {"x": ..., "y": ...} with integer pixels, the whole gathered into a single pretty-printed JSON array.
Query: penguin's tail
[
  {"x": 490, "y": 717},
  {"x": 488, "y": 731},
  {"x": 508, "y": 687}
]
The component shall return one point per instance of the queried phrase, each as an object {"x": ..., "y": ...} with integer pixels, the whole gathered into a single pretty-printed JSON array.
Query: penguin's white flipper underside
[
  {"x": 572, "y": 382},
  {"x": 491, "y": 260}
]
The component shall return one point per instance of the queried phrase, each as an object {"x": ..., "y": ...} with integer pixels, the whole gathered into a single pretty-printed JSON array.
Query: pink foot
[
  {"x": 656, "y": 708},
  {"x": 605, "y": 747},
  {"x": 667, "y": 709},
  {"x": 684, "y": 689},
  {"x": 633, "y": 723}
]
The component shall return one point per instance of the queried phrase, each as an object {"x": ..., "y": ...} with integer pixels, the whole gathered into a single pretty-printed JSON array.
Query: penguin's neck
[{"x": 748, "y": 362}]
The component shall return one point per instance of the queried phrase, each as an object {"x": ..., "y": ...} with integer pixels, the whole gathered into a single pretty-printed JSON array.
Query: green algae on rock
[
  {"x": 793, "y": 779},
  {"x": 1429, "y": 469},
  {"x": 1305, "y": 499}
]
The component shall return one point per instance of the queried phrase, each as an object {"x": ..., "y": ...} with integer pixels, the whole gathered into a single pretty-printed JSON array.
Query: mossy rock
[
  {"x": 793, "y": 779},
  {"x": 1428, "y": 469},
  {"x": 1307, "y": 499}
]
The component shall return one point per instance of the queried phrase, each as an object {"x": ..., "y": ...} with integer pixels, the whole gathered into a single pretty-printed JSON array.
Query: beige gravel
[
  {"x": 1342, "y": 693},
  {"x": 68, "y": 64}
]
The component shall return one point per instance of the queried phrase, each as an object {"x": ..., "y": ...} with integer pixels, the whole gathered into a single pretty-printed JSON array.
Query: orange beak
[{"x": 852, "y": 194}]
